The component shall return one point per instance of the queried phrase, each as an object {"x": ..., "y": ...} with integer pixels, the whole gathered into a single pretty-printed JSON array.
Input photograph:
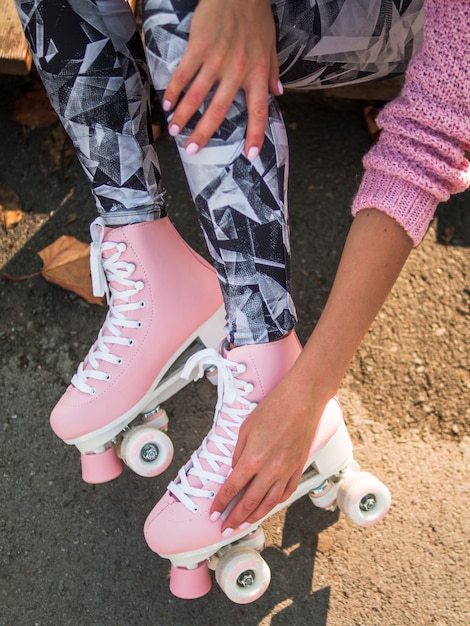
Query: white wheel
[
  {"x": 146, "y": 450},
  {"x": 363, "y": 498},
  {"x": 242, "y": 574},
  {"x": 254, "y": 540},
  {"x": 324, "y": 495},
  {"x": 211, "y": 374},
  {"x": 156, "y": 417}
]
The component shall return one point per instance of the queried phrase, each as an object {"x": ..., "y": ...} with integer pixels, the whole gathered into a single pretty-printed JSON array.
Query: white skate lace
[
  {"x": 217, "y": 448},
  {"x": 107, "y": 273}
]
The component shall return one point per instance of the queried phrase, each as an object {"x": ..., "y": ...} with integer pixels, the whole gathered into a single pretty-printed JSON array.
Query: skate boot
[
  {"x": 165, "y": 304},
  {"x": 179, "y": 527}
]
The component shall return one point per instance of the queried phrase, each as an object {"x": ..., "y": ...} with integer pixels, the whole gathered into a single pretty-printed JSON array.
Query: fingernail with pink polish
[
  {"x": 214, "y": 516},
  {"x": 191, "y": 148},
  {"x": 166, "y": 105},
  {"x": 244, "y": 526},
  {"x": 174, "y": 129},
  {"x": 227, "y": 532},
  {"x": 252, "y": 154},
  {"x": 279, "y": 86}
]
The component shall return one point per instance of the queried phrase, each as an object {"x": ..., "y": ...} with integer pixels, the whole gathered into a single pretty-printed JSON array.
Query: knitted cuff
[{"x": 412, "y": 207}]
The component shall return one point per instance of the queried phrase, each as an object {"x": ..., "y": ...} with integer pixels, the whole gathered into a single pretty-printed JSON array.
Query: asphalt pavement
[{"x": 74, "y": 554}]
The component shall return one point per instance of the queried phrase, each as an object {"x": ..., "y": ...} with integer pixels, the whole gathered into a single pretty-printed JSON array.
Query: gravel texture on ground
[{"x": 74, "y": 554}]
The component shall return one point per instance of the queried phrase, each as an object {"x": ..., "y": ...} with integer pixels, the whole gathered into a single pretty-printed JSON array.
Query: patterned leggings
[{"x": 91, "y": 60}]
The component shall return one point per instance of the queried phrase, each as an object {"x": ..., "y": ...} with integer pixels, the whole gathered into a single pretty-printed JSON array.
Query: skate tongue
[
  {"x": 111, "y": 275},
  {"x": 107, "y": 269},
  {"x": 98, "y": 277}
]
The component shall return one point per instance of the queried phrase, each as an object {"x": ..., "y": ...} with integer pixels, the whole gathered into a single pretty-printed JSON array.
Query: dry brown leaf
[
  {"x": 370, "y": 113},
  {"x": 10, "y": 218},
  {"x": 10, "y": 207},
  {"x": 33, "y": 109},
  {"x": 67, "y": 264},
  {"x": 9, "y": 199}
]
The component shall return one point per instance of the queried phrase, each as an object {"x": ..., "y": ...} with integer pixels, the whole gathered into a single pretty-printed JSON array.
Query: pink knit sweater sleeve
[{"x": 420, "y": 159}]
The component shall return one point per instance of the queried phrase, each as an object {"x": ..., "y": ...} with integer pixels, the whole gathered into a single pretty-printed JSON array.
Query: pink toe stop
[
  {"x": 190, "y": 583},
  {"x": 102, "y": 467}
]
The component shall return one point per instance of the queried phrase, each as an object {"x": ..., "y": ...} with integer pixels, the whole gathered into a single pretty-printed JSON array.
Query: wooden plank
[{"x": 15, "y": 57}]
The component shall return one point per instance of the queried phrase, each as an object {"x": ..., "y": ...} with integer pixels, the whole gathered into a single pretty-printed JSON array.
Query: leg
[
  {"x": 222, "y": 181},
  {"x": 242, "y": 207},
  {"x": 97, "y": 81},
  {"x": 323, "y": 43},
  {"x": 99, "y": 87}
]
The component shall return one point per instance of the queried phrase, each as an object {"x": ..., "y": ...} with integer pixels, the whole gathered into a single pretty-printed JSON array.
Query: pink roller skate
[
  {"x": 179, "y": 527},
  {"x": 165, "y": 304}
]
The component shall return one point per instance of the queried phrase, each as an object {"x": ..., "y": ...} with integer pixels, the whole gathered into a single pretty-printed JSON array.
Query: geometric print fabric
[{"x": 96, "y": 75}]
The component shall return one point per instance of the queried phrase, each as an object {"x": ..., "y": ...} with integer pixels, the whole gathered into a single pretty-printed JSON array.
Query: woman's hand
[
  {"x": 232, "y": 46},
  {"x": 271, "y": 452}
]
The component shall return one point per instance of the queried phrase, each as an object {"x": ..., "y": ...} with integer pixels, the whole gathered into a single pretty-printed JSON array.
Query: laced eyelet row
[
  {"x": 112, "y": 275},
  {"x": 233, "y": 405}
]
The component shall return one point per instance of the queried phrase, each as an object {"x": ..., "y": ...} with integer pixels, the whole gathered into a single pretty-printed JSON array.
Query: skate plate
[{"x": 331, "y": 479}]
